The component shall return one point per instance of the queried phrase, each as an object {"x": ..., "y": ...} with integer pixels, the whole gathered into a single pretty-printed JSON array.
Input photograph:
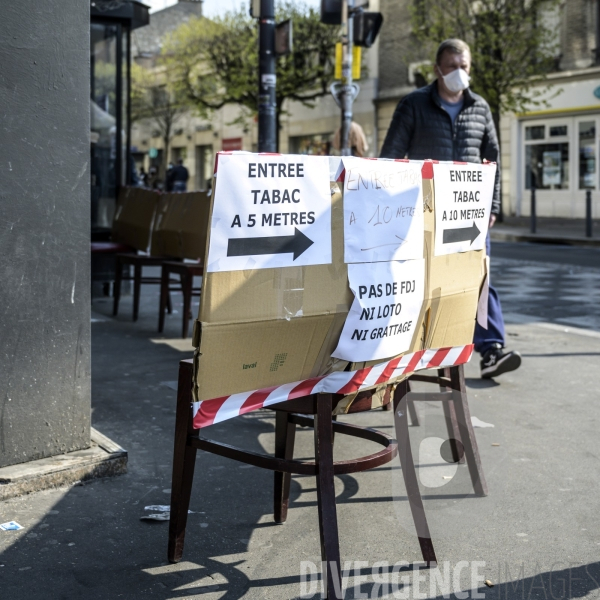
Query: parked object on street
[{"x": 588, "y": 214}]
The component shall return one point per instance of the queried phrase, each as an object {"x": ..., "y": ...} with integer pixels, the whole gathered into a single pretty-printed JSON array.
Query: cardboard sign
[
  {"x": 463, "y": 202},
  {"x": 387, "y": 301},
  {"x": 270, "y": 211},
  {"x": 383, "y": 210}
]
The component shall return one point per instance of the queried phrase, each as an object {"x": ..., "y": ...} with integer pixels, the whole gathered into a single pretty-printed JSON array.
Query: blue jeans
[
  {"x": 179, "y": 186},
  {"x": 494, "y": 334}
]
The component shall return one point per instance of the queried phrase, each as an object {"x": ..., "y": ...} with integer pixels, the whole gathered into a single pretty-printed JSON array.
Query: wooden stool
[
  {"x": 316, "y": 411},
  {"x": 138, "y": 261},
  {"x": 186, "y": 272}
]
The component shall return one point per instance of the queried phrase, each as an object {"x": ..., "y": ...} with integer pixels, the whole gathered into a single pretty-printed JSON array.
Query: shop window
[
  {"x": 558, "y": 131},
  {"x": 547, "y": 166},
  {"x": 535, "y": 132},
  {"x": 587, "y": 155}
]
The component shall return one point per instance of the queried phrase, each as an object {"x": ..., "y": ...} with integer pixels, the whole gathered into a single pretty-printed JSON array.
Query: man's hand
[{"x": 492, "y": 220}]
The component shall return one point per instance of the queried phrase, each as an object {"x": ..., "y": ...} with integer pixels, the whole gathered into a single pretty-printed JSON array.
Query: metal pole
[
  {"x": 267, "y": 129},
  {"x": 597, "y": 57},
  {"x": 533, "y": 215},
  {"x": 347, "y": 93},
  {"x": 588, "y": 213}
]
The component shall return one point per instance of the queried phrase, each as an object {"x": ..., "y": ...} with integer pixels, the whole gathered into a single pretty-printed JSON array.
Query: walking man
[
  {"x": 180, "y": 177},
  {"x": 445, "y": 120}
]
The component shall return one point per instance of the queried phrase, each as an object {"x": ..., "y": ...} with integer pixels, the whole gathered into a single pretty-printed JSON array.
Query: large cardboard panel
[
  {"x": 194, "y": 229},
  {"x": 134, "y": 217},
  {"x": 292, "y": 292},
  {"x": 250, "y": 317},
  {"x": 156, "y": 241},
  {"x": 238, "y": 357},
  {"x": 181, "y": 226},
  {"x": 452, "y": 288},
  {"x": 171, "y": 225},
  {"x": 262, "y": 328}
]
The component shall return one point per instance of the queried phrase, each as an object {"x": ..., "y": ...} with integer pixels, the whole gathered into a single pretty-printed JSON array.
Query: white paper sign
[
  {"x": 270, "y": 211},
  {"x": 383, "y": 210},
  {"x": 463, "y": 202},
  {"x": 387, "y": 301}
]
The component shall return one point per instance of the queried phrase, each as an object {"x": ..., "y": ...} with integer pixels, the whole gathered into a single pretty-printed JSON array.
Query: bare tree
[{"x": 155, "y": 100}]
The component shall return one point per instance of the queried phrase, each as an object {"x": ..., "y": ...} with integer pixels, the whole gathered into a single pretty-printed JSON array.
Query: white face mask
[{"x": 457, "y": 80}]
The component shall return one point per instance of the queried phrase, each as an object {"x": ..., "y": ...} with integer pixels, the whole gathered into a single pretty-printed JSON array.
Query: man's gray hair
[{"x": 453, "y": 45}]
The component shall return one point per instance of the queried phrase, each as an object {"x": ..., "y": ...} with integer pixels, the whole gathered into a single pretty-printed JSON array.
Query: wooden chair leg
[
  {"x": 164, "y": 293},
  {"x": 285, "y": 434},
  {"x": 328, "y": 527},
  {"x": 117, "y": 287},
  {"x": 187, "y": 283},
  {"x": 414, "y": 415},
  {"x": 184, "y": 460},
  {"x": 137, "y": 286},
  {"x": 456, "y": 445},
  {"x": 169, "y": 302},
  {"x": 467, "y": 433},
  {"x": 409, "y": 472}
]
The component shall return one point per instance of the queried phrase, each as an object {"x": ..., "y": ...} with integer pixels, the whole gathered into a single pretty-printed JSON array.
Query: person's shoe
[{"x": 496, "y": 362}]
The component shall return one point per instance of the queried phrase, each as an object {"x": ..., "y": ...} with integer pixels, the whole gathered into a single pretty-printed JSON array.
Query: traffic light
[
  {"x": 366, "y": 27},
  {"x": 331, "y": 12}
]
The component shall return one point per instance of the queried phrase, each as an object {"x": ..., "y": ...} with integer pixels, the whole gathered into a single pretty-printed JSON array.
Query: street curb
[
  {"x": 502, "y": 236},
  {"x": 103, "y": 458}
]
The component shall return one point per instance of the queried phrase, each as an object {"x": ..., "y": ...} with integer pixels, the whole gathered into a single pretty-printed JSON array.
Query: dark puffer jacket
[{"x": 422, "y": 129}]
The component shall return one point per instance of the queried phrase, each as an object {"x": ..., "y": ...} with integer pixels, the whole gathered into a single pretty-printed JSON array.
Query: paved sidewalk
[
  {"x": 549, "y": 230},
  {"x": 537, "y": 535}
]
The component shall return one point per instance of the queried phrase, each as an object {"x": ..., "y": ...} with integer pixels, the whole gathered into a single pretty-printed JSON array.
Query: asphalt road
[
  {"x": 558, "y": 284},
  {"x": 536, "y": 536}
]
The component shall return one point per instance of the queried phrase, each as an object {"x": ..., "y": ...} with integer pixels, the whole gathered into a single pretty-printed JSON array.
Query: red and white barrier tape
[{"x": 216, "y": 410}]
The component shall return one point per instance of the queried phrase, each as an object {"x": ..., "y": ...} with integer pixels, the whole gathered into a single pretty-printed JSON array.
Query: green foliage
[
  {"x": 215, "y": 62},
  {"x": 514, "y": 44}
]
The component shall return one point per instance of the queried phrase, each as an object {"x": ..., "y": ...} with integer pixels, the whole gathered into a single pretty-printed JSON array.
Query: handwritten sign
[
  {"x": 387, "y": 301},
  {"x": 463, "y": 202},
  {"x": 270, "y": 211},
  {"x": 383, "y": 210}
]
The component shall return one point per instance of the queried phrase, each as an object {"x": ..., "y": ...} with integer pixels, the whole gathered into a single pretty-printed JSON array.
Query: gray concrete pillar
[{"x": 44, "y": 229}]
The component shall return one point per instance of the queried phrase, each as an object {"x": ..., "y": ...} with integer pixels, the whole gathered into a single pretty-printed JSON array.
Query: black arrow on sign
[
  {"x": 281, "y": 244},
  {"x": 462, "y": 234}
]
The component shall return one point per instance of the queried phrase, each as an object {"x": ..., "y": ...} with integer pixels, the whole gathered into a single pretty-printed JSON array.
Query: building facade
[{"x": 555, "y": 148}]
